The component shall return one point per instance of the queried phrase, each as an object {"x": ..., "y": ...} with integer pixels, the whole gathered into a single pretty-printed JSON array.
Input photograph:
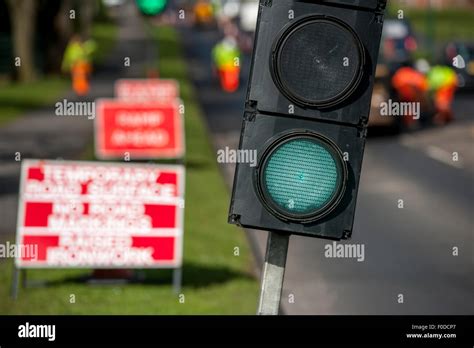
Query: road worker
[{"x": 78, "y": 62}]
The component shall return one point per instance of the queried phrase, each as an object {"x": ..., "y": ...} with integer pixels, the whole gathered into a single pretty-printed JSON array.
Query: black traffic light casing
[
  {"x": 279, "y": 106},
  {"x": 247, "y": 209}
]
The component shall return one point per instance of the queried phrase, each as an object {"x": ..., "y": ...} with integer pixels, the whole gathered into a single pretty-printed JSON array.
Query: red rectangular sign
[
  {"x": 101, "y": 215},
  {"x": 141, "y": 130},
  {"x": 147, "y": 89}
]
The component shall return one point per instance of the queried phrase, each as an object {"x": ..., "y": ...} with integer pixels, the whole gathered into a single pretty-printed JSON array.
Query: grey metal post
[
  {"x": 24, "y": 278},
  {"x": 273, "y": 273},
  {"x": 177, "y": 279},
  {"x": 15, "y": 282}
]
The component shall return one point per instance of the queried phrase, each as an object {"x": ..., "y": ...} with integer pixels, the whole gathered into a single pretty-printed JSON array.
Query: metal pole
[
  {"x": 15, "y": 282},
  {"x": 177, "y": 279},
  {"x": 24, "y": 279},
  {"x": 273, "y": 273}
]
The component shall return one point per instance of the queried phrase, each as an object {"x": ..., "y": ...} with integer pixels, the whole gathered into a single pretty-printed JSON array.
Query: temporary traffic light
[
  {"x": 151, "y": 7},
  {"x": 306, "y": 115}
]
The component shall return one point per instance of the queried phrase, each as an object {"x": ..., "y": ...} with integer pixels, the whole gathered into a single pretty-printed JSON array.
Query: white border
[
  {"x": 179, "y": 236},
  {"x": 155, "y": 80},
  {"x": 103, "y": 154}
]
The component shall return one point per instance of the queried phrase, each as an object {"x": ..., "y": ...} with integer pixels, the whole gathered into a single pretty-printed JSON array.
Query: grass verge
[
  {"x": 215, "y": 280},
  {"x": 447, "y": 24},
  {"x": 17, "y": 98},
  {"x": 104, "y": 34}
]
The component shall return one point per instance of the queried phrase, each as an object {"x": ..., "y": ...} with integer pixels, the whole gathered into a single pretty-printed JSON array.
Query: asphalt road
[{"x": 409, "y": 250}]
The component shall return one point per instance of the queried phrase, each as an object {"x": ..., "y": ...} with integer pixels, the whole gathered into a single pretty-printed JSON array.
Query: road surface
[{"x": 409, "y": 266}]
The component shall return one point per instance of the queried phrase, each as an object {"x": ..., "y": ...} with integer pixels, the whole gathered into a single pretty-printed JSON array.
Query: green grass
[
  {"x": 104, "y": 34},
  {"x": 448, "y": 24},
  {"x": 16, "y": 98},
  {"x": 215, "y": 281}
]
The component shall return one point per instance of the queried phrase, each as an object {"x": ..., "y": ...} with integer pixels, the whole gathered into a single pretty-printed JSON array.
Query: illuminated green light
[
  {"x": 151, "y": 7},
  {"x": 301, "y": 176}
]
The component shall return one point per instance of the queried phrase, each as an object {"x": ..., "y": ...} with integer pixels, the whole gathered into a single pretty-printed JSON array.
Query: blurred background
[{"x": 421, "y": 249}]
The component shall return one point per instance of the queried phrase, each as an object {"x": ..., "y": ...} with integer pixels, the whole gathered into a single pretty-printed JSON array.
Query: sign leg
[
  {"x": 177, "y": 279},
  {"x": 273, "y": 273},
  {"x": 24, "y": 279},
  {"x": 15, "y": 282}
]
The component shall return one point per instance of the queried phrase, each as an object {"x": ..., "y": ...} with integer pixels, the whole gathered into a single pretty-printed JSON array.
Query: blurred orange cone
[
  {"x": 230, "y": 79},
  {"x": 80, "y": 78}
]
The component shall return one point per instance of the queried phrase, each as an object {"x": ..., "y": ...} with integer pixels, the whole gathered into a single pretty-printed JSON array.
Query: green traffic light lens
[
  {"x": 302, "y": 177},
  {"x": 151, "y": 7}
]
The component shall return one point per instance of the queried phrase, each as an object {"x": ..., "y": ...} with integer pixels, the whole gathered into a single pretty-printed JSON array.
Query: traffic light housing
[{"x": 306, "y": 114}]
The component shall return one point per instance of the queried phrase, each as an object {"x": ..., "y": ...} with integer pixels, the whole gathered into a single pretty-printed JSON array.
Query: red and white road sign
[
  {"x": 143, "y": 130},
  {"x": 147, "y": 89},
  {"x": 100, "y": 215}
]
